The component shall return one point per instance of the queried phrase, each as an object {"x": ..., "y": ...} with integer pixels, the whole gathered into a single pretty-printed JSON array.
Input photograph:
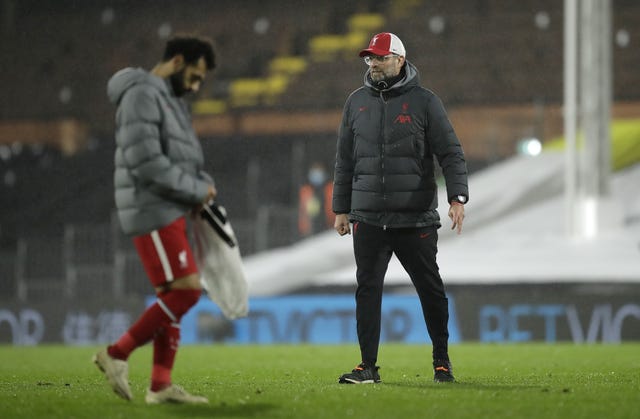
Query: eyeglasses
[{"x": 369, "y": 59}]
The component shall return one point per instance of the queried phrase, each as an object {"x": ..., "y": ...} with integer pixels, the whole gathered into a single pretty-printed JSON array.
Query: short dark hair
[{"x": 192, "y": 48}]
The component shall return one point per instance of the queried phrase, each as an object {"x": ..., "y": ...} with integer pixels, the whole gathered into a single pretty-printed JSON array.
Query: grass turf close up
[{"x": 282, "y": 381}]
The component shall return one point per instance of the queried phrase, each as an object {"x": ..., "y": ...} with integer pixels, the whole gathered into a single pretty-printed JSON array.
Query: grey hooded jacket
[
  {"x": 384, "y": 172},
  {"x": 158, "y": 161}
]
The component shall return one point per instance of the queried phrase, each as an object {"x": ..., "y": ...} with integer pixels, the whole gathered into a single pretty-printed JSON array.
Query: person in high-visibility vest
[{"x": 314, "y": 209}]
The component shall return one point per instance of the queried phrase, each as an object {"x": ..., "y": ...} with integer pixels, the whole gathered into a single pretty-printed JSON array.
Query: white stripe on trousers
[
  {"x": 164, "y": 260},
  {"x": 168, "y": 273},
  {"x": 166, "y": 310}
]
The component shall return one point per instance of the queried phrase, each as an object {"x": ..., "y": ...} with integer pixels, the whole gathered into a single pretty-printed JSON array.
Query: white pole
[
  {"x": 606, "y": 81},
  {"x": 570, "y": 112},
  {"x": 595, "y": 104}
]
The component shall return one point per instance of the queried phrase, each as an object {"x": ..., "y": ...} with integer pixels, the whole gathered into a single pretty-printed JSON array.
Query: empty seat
[
  {"x": 288, "y": 65},
  {"x": 209, "y": 107},
  {"x": 365, "y": 22},
  {"x": 247, "y": 92},
  {"x": 326, "y": 47}
]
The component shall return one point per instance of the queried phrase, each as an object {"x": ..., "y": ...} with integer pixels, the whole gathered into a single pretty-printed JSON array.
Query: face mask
[{"x": 317, "y": 177}]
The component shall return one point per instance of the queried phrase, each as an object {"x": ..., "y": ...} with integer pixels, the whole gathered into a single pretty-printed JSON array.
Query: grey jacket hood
[{"x": 124, "y": 79}]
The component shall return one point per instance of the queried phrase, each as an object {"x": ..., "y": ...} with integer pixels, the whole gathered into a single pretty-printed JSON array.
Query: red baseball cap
[{"x": 384, "y": 43}]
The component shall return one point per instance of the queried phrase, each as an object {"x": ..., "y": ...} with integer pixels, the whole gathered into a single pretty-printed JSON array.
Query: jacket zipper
[{"x": 382, "y": 152}]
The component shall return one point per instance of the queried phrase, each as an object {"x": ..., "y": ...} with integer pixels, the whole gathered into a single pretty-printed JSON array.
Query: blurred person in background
[
  {"x": 384, "y": 184},
  {"x": 158, "y": 179},
  {"x": 314, "y": 204}
]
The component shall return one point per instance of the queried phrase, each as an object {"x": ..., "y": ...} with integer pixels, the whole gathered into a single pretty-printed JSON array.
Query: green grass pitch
[{"x": 300, "y": 381}]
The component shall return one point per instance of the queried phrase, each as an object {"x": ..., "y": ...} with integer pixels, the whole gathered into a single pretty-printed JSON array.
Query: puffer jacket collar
[
  {"x": 409, "y": 81},
  {"x": 128, "y": 77}
]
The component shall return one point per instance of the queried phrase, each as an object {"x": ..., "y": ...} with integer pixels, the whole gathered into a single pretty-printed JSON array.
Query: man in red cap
[{"x": 384, "y": 183}]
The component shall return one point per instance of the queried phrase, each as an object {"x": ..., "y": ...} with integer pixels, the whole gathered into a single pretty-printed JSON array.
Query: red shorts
[{"x": 166, "y": 253}]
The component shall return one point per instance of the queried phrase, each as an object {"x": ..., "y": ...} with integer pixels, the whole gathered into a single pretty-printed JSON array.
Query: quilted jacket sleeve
[
  {"x": 343, "y": 175},
  {"x": 447, "y": 149}
]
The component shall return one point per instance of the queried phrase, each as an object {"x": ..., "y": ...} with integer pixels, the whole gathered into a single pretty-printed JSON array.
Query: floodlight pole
[
  {"x": 587, "y": 92},
  {"x": 596, "y": 98},
  {"x": 570, "y": 113}
]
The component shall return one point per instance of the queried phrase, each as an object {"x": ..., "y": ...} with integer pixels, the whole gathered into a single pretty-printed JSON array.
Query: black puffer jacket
[{"x": 384, "y": 173}]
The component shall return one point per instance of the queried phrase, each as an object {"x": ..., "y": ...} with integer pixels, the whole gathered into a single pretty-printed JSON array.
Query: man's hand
[
  {"x": 456, "y": 213},
  {"x": 342, "y": 224},
  {"x": 211, "y": 194}
]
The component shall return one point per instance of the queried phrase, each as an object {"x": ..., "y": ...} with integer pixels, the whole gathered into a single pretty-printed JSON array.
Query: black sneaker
[
  {"x": 361, "y": 374},
  {"x": 442, "y": 371}
]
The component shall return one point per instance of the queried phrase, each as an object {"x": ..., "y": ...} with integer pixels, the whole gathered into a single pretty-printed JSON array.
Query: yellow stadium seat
[
  {"x": 209, "y": 107},
  {"x": 275, "y": 86},
  {"x": 355, "y": 41},
  {"x": 288, "y": 65},
  {"x": 326, "y": 47},
  {"x": 365, "y": 22},
  {"x": 246, "y": 92}
]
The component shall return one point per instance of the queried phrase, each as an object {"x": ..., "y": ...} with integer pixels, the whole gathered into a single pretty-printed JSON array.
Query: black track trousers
[{"x": 416, "y": 249}]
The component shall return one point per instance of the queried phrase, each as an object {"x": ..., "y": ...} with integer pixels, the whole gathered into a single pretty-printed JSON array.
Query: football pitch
[{"x": 300, "y": 381}]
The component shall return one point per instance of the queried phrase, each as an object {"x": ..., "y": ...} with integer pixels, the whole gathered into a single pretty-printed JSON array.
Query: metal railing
[{"x": 94, "y": 261}]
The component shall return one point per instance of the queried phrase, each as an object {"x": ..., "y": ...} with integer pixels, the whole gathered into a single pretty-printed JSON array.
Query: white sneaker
[
  {"x": 173, "y": 394},
  {"x": 117, "y": 373}
]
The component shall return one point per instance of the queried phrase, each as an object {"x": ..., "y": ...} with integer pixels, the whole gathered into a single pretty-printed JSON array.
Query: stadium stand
[
  {"x": 271, "y": 57},
  {"x": 499, "y": 52}
]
